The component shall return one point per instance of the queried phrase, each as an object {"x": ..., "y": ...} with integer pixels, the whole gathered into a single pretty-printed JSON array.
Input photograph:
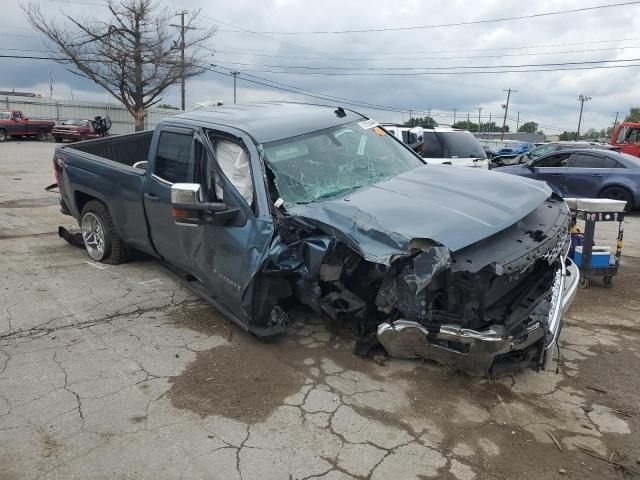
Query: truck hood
[{"x": 452, "y": 206}]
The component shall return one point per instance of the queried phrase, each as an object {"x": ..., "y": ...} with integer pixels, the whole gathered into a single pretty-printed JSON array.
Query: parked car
[
  {"x": 586, "y": 173},
  {"x": 13, "y": 124},
  {"x": 81, "y": 129},
  {"x": 447, "y": 146},
  {"x": 545, "y": 149},
  {"x": 261, "y": 206},
  {"x": 512, "y": 151},
  {"x": 627, "y": 138}
]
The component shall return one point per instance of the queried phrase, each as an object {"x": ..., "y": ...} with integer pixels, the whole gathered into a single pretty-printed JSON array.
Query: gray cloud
[{"x": 546, "y": 97}]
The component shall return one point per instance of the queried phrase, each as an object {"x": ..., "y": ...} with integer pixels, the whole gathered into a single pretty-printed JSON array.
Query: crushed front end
[
  {"x": 489, "y": 308},
  {"x": 497, "y": 307}
]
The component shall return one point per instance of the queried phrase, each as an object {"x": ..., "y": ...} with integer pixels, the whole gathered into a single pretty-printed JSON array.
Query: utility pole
[
  {"x": 235, "y": 76},
  {"x": 518, "y": 122},
  {"x": 615, "y": 123},
  {"x": 581, "y": 99},
  {"x": 429, "y": 116},
  {"x": 479, "y": 112},
  {"x": 181, "y": 46},
  {"x": 454, "y": 115},
  {"x": 490, "y": 126},
  {"x": 506, "y": 109},
  {"x": 468, "y": 121}
]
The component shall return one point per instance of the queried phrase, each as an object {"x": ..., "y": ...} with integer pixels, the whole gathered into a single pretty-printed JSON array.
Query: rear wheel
[
  {"x": 618, "y": 193},
  {"x": 58, "y": 139},
  {"x": 3, "y": 135},
  {"x": 83, "y": 137},
  {"x": 101, "y": 240},
  {"x": 42, "y": 135}
]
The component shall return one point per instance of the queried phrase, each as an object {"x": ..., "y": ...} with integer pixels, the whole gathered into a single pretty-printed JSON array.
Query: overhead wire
[{"x": 454, "y": 24}]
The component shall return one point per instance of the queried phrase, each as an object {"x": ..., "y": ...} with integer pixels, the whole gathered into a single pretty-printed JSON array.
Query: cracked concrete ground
[{"x": 119, "y": 372}]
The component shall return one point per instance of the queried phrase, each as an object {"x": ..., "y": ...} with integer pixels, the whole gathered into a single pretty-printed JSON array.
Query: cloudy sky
[{"x": 387, "y": 68}]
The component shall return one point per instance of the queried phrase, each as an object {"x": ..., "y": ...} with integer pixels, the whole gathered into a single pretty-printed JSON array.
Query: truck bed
[
  {"x": 125, "y": 149},
  {"x": 102, "y": 169}
]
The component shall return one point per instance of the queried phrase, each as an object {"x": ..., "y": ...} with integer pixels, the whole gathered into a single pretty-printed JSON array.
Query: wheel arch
[{"x": 629, "y": 190}]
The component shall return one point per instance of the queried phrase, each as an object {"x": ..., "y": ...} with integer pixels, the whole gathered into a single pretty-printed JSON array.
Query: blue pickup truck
[{"x": 262, "y": 206}]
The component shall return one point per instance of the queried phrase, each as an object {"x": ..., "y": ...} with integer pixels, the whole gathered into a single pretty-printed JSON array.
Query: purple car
[{"x": 586, "y": 173}]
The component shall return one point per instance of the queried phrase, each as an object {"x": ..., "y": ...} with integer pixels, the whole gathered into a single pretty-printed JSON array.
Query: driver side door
[{"x": 553, "y": 170}]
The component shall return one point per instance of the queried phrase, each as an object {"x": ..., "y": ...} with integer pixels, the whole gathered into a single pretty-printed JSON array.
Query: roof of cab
[{"x": 270, "y": 121}]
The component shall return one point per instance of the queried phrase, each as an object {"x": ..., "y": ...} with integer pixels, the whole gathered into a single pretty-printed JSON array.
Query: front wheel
[
  {"x": 42, "y": 135},
  {"x": 618, "y": 193},
  {"x": 101, "y": 240},
  {"x": 58, "y": 139},
  {"x": 3, "y": 136}
]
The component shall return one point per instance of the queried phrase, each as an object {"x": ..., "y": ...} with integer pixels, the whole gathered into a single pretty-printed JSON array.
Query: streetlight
[{"x": 581, "y": 99}]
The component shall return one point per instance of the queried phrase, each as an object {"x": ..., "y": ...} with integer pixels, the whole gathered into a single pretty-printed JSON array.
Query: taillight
[{"x": 58, "y": 165}]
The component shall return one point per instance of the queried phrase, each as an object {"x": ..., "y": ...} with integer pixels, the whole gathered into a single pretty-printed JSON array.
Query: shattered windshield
[{"x": 335, "y": 161}]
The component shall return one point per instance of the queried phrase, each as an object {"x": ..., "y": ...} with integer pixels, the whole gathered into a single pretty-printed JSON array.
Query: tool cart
[{"x": 596, "y": 261}]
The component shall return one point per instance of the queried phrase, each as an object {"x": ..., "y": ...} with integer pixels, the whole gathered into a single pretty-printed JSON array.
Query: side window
[
  {"x": 611, "y": 163},
  {"x": 557, "y": 160},
  {"x": 173, "y": 158},
  {"x": 17, "y": 116},
  {"x": 234, "y": 161},
  {"x": 432, "y": 147},
  {"x": 583, "y": 160},
  {"x": 621, "y": 135},
  {"x": 633, "y": 135}
]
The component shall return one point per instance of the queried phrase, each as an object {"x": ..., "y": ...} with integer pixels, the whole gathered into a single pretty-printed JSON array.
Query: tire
[
  {"x": 618, "y": 193},
  {"x": 57, "y": 139},
  {"x": 102, "y": 242},
  {"x": 608, "y": 280},
  {"x": 3, "y": 135},
  {"x": 42, "y": 135},
  {"x": 83, "y": 137},
  {"x": 583, "y": 282}
]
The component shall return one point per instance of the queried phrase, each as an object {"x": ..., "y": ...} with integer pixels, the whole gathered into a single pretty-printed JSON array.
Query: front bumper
[{"x": 482, "y": 350}]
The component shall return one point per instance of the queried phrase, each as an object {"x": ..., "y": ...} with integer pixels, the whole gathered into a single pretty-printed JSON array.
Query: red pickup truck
[
  {"x": 627, "y": 138},
  {"x": 14, "y": 124}
]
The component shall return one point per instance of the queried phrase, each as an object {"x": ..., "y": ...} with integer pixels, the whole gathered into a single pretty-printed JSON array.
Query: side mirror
[{"x": 189, "y": 208}]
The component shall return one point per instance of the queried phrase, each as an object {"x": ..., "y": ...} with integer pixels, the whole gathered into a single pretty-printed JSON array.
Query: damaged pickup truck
[{"x": 261, "y": 206}]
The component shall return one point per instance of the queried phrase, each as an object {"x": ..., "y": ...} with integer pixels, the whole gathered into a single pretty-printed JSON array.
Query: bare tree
[{"x": 133, "y": 55}]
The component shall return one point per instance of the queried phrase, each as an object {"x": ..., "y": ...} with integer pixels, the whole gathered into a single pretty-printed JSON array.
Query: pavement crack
[{"x": 66, "y": 386}]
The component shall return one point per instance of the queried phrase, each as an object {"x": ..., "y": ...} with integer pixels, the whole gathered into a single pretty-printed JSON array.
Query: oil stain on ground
[{"x": 245, "y": 380}]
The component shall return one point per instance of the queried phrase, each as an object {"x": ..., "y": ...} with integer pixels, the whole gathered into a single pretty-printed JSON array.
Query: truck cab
[{"x": 627, "y": 138}]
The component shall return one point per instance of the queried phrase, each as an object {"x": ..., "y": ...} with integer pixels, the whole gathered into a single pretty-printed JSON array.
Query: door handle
[
  {"x": 152, "y": 196},
  {"x": 556, "y": 174},
  {"x": 596, "y": 174}
]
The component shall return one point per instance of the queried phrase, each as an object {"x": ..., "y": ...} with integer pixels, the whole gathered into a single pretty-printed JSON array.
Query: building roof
[{"x": 270, "y": 121}]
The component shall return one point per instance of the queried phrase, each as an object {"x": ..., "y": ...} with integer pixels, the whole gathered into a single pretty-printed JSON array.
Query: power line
[
  {"x": 450, "y": 72},
  {"x": 413, "y": 59},
  {"x": 299, "y": 91},
  {"x": 458, "y": 24},
  {"x": 452, "y": 67},
  {"x": 522, "y": 47}
]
